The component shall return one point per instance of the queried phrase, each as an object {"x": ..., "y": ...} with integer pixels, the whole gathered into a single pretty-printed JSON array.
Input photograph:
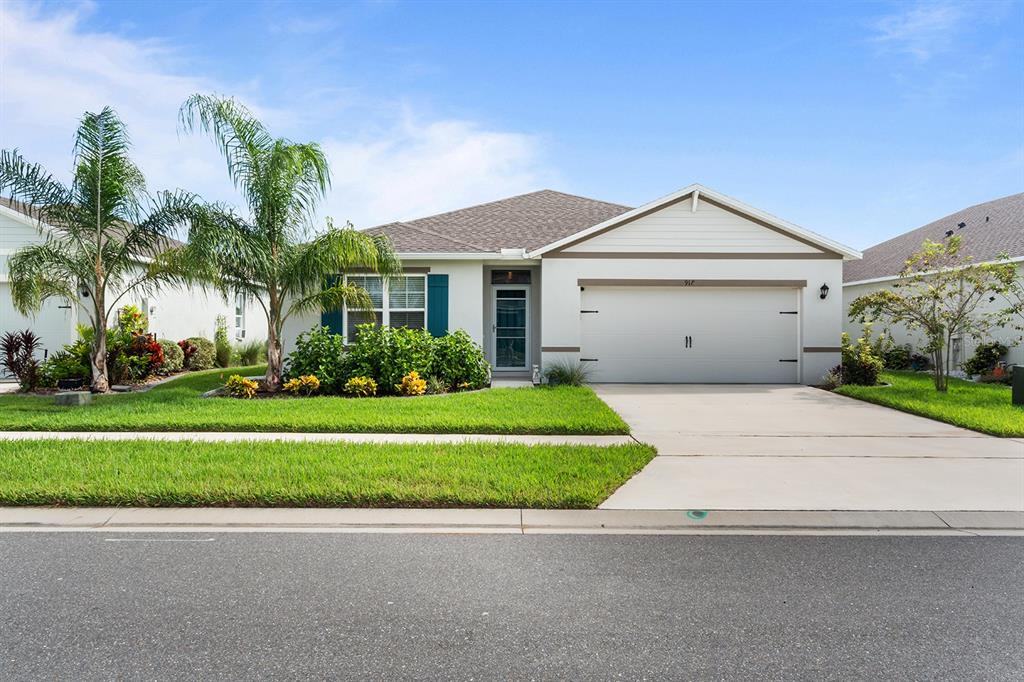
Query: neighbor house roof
[
  {"x": 528, "y": 221},
  {"x": 989, "y": 229},
  {"x": 30, "y": 211}
]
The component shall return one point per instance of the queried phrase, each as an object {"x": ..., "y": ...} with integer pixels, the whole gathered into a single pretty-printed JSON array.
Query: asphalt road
[{"x": 315, "y": 606}]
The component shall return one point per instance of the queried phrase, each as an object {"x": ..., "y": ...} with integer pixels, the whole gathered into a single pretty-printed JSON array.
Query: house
[
  {"x": 174, "y": 312},
  {"x": 692, "y": 287},
  {"x": 987, "y": 231}
]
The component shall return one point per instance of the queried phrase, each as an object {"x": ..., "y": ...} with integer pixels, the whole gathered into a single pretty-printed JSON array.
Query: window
[
  {"x": 510, "y": 276},
  {"x": 400, "y": 303},
  {"x": 239, "y": 316}
]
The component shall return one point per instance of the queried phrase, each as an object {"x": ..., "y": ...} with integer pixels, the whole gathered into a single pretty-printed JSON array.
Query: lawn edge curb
[{"x": 524, "y": 521}]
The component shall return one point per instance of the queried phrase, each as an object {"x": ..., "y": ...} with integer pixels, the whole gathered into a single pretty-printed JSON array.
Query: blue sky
[{"x": 856, "y": 120}]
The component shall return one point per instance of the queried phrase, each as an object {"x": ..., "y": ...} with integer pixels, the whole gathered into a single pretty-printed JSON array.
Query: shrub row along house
[
  {"x": 990, "y": 232},
  {"x": 693, "y": 287}
]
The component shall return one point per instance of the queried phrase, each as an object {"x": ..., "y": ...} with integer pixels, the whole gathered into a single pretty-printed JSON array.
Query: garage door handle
[
  {"x": 588, "y": 359},
  {"x": 590, "y": 311},
  {"x": 794, "y": 360}
]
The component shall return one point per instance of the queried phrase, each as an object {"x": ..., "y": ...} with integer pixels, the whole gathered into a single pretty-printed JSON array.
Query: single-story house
[
  {"x": 693, "y": 287},
  {"x": 987, "y": 231},
  {"x": 174, "y": 312}
]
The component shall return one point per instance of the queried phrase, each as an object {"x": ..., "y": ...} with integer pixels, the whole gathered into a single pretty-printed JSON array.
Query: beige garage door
[{"x": 690, "y": 334}]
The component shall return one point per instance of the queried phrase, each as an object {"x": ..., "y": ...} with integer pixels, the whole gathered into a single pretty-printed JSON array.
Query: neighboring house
[
  {"x": 174, "y": 312},
  {"x": 692, "y": 287},
  {"x": 987, "y": 231}
]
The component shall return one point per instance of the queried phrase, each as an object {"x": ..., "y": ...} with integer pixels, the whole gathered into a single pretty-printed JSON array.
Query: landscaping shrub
[
  {"x": 221, "y": 343},
  {"x": 361, "y": 387},
  {"x": 436, "y": 385},
  {"x": 860, "y": 364},
  {"x": 567, "y": 373},
  {"x": 63, "y": 366},
  {"x": 919, "y": 362},
  {"x": 411, "y": 384},
  {"x": 896, "y": 357},
  {"x": 252, "y": 352},
  {"x": 17, "y": 355},
  {"x": 387, "y": 354},
  {"x": 188, "y": 349},
  {"x": 833, "y": 378},
  {"x": 305, "y": 385},
  {"x": 459, "y": 362},
  {"x": 203, "y": 353},
  {"x": 174, "y": 357},
  {"x": 985, "y": 357},
  {"x": 240, "y": 387},
  {"x": 322, "y": 354},
  {"x": 131, "y": 320}
]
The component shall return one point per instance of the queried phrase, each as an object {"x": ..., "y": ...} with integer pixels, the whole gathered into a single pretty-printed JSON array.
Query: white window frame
[
  {"x": 239, "y": 316},
  {"x": 383, "y": 314}
]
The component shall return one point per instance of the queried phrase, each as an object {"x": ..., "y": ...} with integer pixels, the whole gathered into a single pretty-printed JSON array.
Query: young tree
[
  {"x": 106, "y": 232},
  {"x": 940, "y": 292},
  {"x": 271, "y": 255}
]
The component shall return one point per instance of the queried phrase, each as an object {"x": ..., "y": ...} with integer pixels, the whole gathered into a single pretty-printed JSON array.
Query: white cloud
[
  {"x": 922, "y": 31},
  {"x": 419, "y": 168},
  {"x": 53, "y": 69}
]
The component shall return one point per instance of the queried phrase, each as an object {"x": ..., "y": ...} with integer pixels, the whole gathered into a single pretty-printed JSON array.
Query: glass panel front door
[{"x": 511, "y": 317}]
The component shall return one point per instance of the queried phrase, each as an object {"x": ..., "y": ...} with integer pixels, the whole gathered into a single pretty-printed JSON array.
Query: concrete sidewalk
[
  {"x": 235, "y": 436},
  {"x": 516, "y": 521}
]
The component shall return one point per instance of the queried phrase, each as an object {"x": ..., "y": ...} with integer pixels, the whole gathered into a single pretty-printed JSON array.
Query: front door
[{"x": 511, "y": 327}]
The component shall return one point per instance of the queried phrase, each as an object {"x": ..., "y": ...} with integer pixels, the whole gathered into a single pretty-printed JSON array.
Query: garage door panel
[{"x": 738, "y": 335}]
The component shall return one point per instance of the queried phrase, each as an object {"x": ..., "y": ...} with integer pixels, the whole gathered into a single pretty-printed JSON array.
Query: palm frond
[
  {"x": 31, "y": 184},
  {"x": 240, "y": 137},
  {"x": 41, "y": 271},
  {"x": 332, "y": 298},
  {"x": 307, "y": 266}
]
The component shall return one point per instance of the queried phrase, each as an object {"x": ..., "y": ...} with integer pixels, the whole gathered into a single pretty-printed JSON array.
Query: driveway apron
[{"x": 795, "y": 447}]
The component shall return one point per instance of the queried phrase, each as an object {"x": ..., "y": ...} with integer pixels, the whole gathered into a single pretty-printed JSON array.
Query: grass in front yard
[
  {"x": 284, "y": 474},
  {"x": 981, "y": 407},
  {"x": 177, "y": 406}
]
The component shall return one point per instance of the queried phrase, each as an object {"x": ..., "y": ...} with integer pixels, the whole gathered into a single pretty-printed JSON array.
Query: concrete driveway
[{"x": 795, "y": 447}]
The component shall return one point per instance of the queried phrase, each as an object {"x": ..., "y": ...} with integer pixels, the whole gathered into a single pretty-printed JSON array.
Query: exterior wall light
[{"x": 824, "y": 291}]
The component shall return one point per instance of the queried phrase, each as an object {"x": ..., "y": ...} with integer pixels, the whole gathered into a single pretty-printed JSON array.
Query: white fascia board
[
  {"x": 22, "y": 218},
  {"x": 890, "y": 278},
  {"x": 847, "y": 252},
  {"x": 458, "y": 255}
]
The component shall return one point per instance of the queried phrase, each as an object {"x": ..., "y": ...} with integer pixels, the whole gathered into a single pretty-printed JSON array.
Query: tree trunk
[
  {"x": 275, "y": 361},
  {"x": 98, "y": 360},
  {"x": 939, "y": 370}
]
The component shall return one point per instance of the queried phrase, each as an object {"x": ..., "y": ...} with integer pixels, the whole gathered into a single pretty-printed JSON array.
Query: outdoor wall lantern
[{"x": 824, "y": 291}]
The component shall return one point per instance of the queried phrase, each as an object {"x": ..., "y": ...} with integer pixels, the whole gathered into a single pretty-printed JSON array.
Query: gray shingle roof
[
  {"x": 990, "y": 228},
  {"x": 527, "y": 221}
]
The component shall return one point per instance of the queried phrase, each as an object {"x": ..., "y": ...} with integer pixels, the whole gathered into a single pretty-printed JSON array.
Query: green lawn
[
  {"x": 177, "y": 406},
  {"x": 981, "y": 407},
  {"x": 283, "y": 474}
]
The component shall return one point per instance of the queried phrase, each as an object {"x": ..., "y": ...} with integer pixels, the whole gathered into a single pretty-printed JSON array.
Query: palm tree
[
  {"x": 266, "y": 256},
  {"x": 104, "y": 235}
]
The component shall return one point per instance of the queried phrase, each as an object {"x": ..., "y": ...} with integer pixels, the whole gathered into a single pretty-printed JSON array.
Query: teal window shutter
[
  {"x": 332, "y": 319},
  {"x": 437, "y": 304}
]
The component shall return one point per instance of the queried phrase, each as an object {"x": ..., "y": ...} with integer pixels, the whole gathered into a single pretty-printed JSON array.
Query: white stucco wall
[
  {"x": 465, "y": 300},
  {"x": 820, "y": 320},
  {"x": 901, "y": 335}
]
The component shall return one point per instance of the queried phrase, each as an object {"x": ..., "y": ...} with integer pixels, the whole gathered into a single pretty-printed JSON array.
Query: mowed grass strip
[
  {"x": 287, "y": 474},
  {"x": 980, "y": 407},
  {"x": 178, "y": 406}
]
